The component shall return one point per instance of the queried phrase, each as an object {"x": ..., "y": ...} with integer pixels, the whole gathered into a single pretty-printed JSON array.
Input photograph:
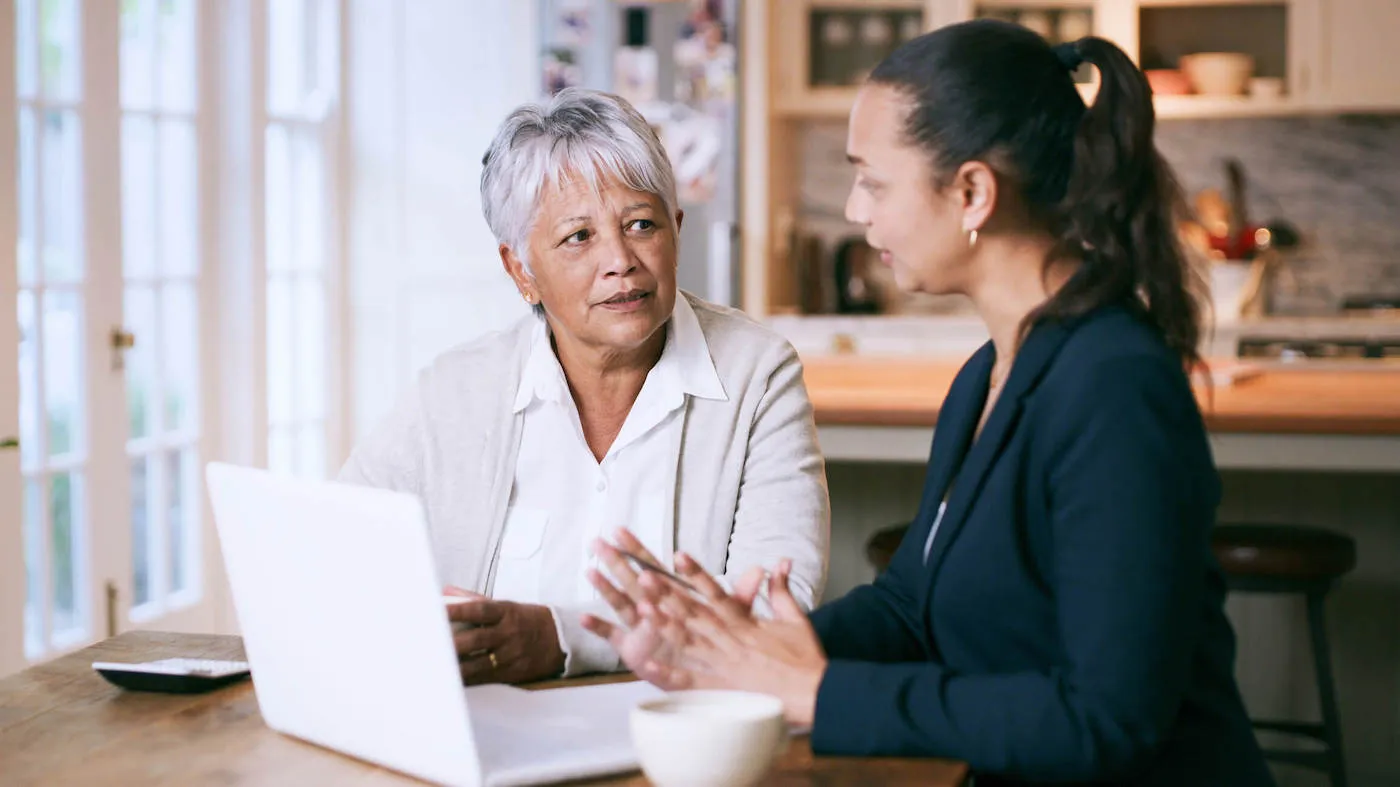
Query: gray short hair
[{"x": 587, "y": 133}]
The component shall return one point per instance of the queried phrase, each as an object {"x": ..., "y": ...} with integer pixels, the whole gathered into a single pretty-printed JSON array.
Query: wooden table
[
  {"x": 61, "y": 723},
  {"x": 884, "y": 409}
]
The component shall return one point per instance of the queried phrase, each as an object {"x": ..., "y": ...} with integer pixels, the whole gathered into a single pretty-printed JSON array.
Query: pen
[{"x": 650, "y": 566}]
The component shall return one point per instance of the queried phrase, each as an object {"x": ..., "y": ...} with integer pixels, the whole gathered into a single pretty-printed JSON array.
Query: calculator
[{"x": 174, "y": 676}]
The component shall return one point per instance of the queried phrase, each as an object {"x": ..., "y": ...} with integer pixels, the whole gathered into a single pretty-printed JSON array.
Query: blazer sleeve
[
  {"x": 1132, "y": 491},
  {"x": 783, "y": 510},
  {"x": 880, "y": 621}
]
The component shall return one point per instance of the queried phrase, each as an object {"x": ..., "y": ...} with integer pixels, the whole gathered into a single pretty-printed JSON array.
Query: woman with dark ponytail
[{"x": 1054, "y": 613}]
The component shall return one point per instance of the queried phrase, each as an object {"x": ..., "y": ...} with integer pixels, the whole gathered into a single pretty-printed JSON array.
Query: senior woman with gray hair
[{"x": 620, "y": 404}]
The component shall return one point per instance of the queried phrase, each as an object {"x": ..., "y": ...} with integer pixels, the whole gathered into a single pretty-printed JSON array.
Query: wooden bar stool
[
  {"x": 879, "y": 550},
  {"x": 1306, "y": 561}
]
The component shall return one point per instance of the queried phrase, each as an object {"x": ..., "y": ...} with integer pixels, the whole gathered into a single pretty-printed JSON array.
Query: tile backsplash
[{"x": 1336, "y": 178}]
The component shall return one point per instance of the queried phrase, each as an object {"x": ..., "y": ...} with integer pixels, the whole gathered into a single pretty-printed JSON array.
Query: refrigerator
[{"x": 677, "y": 62}]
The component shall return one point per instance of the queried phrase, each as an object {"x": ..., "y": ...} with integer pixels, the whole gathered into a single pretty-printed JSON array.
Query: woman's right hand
[{"x": 649, "y": 646}]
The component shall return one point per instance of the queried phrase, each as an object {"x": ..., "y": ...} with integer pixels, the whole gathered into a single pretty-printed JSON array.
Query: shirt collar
[
  {"x": 696, "y": 368},
  {"x": 684, "y": 368},
  {"x": 542, "y": 377}
]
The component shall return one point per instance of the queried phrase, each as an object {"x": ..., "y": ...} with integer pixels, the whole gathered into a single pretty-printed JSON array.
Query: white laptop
[{"x": 345, "y": 630}]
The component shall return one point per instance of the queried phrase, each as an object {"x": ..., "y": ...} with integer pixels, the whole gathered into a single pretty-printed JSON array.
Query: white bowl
[
  {"x": 1218, "y": 73},
  {"x": 708, "y": 738},
  {"x": 1266, "y": 87}
]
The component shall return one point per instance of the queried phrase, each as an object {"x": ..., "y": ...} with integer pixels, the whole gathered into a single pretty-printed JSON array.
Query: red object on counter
[{"x": 1241, "y": 247}]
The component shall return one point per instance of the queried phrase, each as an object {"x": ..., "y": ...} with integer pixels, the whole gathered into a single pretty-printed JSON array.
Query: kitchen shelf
[
  {"x": 1033, "y": 5},
  {"x": 1206, "y": 3},
  {"x": 867, "y": 5},
  {"x": 816, "y": 104},
  {"x": 1183, "y": 107},
  {"x": 836, "y": 103}
]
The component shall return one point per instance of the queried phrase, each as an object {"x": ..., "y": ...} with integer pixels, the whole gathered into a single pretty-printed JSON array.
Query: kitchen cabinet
[
  {"x": 822, "y": 49},
  {"x": 1330, "y": 55},
  {"x": 1315, "y": 56},
  {"x": 1359, "y": 69}
]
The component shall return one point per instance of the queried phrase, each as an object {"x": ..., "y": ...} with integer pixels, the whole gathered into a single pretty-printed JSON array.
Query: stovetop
[{"x": 1383, "y": 302}]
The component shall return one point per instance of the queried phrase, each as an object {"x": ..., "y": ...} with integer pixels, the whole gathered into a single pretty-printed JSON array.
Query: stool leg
[{"x": 1327, "y": 696}]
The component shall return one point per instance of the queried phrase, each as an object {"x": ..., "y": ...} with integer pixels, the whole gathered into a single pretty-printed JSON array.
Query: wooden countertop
[
  {"x": 904, "y": 391},
  {"x": 61, "y": 723}
]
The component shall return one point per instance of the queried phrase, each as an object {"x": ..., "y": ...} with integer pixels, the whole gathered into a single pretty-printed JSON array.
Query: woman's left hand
[
  {"x": 725, "y": 649},
  {"x": 504, "y": 642},
  {"x": 644, "y": 649}
]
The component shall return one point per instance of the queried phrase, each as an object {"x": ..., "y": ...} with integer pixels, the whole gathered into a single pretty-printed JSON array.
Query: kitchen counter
[
  {"x": 1314, "y": 417},
  {"x": 959, "y": 334}
]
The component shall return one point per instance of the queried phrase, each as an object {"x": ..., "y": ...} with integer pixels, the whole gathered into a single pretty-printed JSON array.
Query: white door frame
[
  {"x": 12, "y": 575},
  {"x": 107, "y": 493},
  {"x": 239, "y": 416}
]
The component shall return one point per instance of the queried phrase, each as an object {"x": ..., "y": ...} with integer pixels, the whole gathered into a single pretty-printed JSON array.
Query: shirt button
[{"x": 602, "y": 486}]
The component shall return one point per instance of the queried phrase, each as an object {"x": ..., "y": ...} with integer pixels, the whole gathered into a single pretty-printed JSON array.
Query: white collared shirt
[
  {"x": 563, "y": 497},
  {"x": 933, "y": 531}
]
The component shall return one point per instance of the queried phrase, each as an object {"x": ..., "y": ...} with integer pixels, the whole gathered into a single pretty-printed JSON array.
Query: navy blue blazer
[{"x": 1068, "y": 625}]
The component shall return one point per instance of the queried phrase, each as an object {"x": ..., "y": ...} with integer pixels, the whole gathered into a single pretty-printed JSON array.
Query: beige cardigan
[{"x": 750, "y": 485}]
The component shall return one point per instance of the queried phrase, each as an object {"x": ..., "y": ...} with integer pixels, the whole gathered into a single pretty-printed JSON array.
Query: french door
[{"x": 115, "y": 315}]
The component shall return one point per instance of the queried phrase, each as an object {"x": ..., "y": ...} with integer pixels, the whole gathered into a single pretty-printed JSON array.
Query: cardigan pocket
[{"x": 519, "y": 570}]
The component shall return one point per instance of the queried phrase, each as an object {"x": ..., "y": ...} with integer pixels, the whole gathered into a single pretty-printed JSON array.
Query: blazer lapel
[
  {"x": 1038, "y": 350},
  {"x": 957, "y": 422}
]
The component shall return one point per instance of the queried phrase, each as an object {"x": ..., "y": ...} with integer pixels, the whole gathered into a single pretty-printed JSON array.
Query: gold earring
[
  {"x": 971, "y": 238},
  {"x": 530, "y": 299}
]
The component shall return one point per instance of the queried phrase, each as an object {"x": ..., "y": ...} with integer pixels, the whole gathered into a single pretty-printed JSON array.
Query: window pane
[
  {"x": 63, "y": 377},
  {"x": 279, "y": 208},
  {"x": 310, "y": 315},
  {"x": 179, "y": 198},
  {"x": 281, "y": 377},
  {"x": 309, "y": 198},
  {"x": 177, "y": 61},
  {"x": 138, "y": 196},
  {"x": 287, "y": 55},
  {"x": 28, "y": 198},
  {"x": 141, "y": 580},
  {"x": 325, "y": 51},
  {"x": 65, "y": 521},
  {"x": 59, "y": 62},
  {"x": 311, "y": 450},
  {"x": 34, "y": 640},
  {"x": 141, "y": 381},
  {"x": 30, "y": 437},
  {"x": 26, "y": 56},
  {"x": 279, "y": 450},
  {"x": 61, "y": 209},
  {"x": 180, "y": 358},
  {"x": 138, "y": 61},
  {"x": 180, "y": 478}
]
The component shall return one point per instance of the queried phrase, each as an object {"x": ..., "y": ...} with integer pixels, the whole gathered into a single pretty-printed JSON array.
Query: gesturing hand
[
  {"x": 505, "y": 642},
  {"x": 716, "y": 645},
  {"x": 638, "y": 642}
]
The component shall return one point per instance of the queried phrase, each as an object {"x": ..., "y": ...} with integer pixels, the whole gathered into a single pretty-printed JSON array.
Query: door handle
[
  {"x": 111, "y": 609},
  {"x": 121, "y": 341},
  {"x": 9, "y": 443}
]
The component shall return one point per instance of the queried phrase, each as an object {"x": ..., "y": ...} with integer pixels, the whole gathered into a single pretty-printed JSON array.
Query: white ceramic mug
[{"x": 708, "y": 738}]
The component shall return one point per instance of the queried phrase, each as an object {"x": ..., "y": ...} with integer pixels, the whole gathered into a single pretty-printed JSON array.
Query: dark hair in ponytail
[{"x": 996, "y": 92}]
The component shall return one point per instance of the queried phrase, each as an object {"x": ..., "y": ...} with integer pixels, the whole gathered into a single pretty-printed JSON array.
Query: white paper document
[{"x": 526, "y": 737}]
